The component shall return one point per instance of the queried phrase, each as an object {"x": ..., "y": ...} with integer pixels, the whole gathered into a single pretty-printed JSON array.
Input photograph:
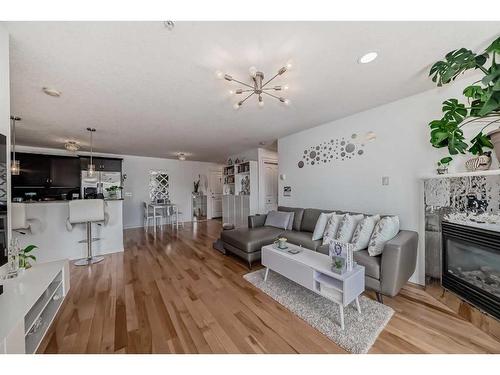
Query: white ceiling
[{"x": 153, "y": 92}]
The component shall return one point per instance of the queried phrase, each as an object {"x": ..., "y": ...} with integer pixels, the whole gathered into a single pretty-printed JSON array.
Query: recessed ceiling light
[
  {"x": 181, "y": 156},
  {"x": 262, "y": 143},
  {"x": 72, "y": 146},
  {"x": 169, "y": 25},
  {"x": 51, "y": 92},
  {"x": 368, "y": 58}
]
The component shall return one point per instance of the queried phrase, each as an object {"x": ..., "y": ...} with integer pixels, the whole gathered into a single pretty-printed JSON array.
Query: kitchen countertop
[{"x": 63, "y": 201}]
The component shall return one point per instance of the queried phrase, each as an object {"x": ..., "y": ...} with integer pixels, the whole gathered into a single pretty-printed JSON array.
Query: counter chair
[
  {"x": 20, "y": 222},
  {"x": 87, "y": 211}
]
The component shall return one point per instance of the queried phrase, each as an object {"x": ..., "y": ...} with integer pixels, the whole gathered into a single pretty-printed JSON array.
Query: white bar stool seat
[{"x": 87, "y": 211}]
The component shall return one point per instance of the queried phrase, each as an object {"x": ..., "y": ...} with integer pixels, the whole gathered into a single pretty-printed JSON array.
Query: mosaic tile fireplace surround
[{"x": 462, "y": 245}]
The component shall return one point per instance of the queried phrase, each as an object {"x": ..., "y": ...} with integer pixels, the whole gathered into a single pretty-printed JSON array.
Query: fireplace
[{"x": 471, "y": 265}]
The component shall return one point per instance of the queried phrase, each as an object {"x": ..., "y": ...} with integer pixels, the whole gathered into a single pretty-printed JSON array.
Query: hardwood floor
[{"x": 175, "y": 294}]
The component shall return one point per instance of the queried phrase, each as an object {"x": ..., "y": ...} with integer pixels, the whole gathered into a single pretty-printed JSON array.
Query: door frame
[
  {"x": 262, "y": 196},
  {"x": 209, "y": 196}
]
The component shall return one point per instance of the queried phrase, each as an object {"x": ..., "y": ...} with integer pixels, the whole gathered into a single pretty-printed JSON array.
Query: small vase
[{"x": 442, "y": 170}]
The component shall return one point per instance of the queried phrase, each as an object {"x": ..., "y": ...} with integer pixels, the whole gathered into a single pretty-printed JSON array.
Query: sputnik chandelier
[{"x": 258, "y": 87}]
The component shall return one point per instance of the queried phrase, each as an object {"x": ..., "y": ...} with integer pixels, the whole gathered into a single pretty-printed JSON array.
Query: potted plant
[
  {"x": 481, "y": 101},
  {"x": 25, "y": 256},
  {"x": 443, "y": 165},
  {"x": 113, "y": 191},
  {"x": 196, "y": 186}
]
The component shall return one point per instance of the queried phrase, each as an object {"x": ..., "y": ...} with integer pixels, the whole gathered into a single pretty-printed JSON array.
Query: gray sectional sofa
[{"x": 385, "y": 274}]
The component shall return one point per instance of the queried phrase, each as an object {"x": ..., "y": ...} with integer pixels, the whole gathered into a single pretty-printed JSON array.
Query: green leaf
[
  {"x": 492, "y": 76},
  {"x": 29, "y": 248},
  {"x": 473, "y": 92},
  {"x": 446, "y": 160},
  {"x": 494, "y": 46},
  {"x": 481, "y": 59},
  {"x": 31, "y": 257},
  {"x": 479, "y": 142},
  {"x": 455, "y": 63},
  {"x": 492, "y": 103},
  {"x": 453, "y": 110}
]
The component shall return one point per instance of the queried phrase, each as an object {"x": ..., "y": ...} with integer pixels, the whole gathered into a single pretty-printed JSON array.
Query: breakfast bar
[{"x": 48, "y": 231}]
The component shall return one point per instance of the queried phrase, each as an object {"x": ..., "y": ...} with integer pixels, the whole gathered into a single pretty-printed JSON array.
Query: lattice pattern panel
[
  {"x": 3, "y": 182},
  {"x": 159, "y": 185}
]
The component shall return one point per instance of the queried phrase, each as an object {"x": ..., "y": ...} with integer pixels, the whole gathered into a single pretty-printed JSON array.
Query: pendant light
[
  {"x": 15, "y": 167},
  {"x": 91, "y": 174}
]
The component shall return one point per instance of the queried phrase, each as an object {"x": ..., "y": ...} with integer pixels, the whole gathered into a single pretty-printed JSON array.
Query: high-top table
[{"x": 313, "y": 271}]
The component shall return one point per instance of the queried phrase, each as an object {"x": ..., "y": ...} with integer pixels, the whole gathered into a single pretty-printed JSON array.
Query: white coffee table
[{"x": 313, "y": 271}]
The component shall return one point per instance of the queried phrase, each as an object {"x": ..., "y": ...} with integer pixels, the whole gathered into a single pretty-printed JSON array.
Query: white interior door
[
  {"x": 270, "y": 186},
  {"x": 216, "y": 193}
]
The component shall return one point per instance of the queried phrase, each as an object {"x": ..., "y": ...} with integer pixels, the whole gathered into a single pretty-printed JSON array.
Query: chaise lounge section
[{"x": 385, "y": 274}]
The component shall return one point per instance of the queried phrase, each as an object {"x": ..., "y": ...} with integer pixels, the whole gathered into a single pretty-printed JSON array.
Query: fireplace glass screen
[{"x": 474, "y": 264}]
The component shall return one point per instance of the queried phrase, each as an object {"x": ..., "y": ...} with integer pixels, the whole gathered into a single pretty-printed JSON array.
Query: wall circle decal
[
  {"x": 301, "y": 164},
  {"x": 350, "y": 147},
  {"x": 312, "y": 154}
]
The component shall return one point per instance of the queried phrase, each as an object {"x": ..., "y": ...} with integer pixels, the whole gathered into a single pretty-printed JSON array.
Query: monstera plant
[{"x": 480, "y": 104}]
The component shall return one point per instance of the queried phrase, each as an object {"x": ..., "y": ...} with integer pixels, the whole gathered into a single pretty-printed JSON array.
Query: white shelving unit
[
  {"x": 240, "y": 193},
  {"x": 29, "y": 305}
]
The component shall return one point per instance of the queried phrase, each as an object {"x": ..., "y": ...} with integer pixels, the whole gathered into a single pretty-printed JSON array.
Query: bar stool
[
  {"x": 87, "y": 211},
  {"x": 20, "y": 222}
]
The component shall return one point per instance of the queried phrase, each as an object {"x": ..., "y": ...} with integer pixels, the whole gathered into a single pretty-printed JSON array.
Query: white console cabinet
[{"x": 29, "y": 304}]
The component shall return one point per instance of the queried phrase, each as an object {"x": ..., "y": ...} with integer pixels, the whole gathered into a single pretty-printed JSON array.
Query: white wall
[
  {"x": 401, "y": 151},
  {"x": 5, "y": 103},
  {"x": 182, "y": 174}
]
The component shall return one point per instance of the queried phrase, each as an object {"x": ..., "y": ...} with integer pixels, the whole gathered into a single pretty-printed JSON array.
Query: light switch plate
[
  {"x": 385, "y": 180},
  {"x": 128, "y": 193}
]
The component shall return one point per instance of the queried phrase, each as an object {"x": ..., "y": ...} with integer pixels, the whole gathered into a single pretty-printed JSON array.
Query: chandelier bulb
[
  {"x": 287, "y": 102},
  {"x": 285, "y": 87},
  {"x": 231, "y": 92},
  {"x": 219, "y": 74},
  {"x": 236, "y": 105},
  {"x": 261, "y": 102},
  {"x": 289, "y": 64},
  {"x": 253, "y": 71}
]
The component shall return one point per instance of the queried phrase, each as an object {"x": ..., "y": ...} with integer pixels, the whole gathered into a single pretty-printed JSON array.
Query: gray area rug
[{"x": 361, "y": 330}]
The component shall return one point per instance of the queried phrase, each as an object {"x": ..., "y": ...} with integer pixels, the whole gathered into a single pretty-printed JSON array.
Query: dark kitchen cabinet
[
  {"x": 65, "y": 172},
  {"x": 34, "y": 171},
  {"x": 102, "y": 164},
  {"x": 47, "y": 171}
]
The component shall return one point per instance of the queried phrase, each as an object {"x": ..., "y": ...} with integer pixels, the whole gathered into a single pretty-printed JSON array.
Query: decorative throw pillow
[
  {"x": 331, "y": 228},
  {"x": 347, "y": 227},
  {"x": 363, "y": 232},
  {"x": 277, "y": 219},
  {"x": 319, "y": 229},
  {"x": 290, "y": 222},
  {"x": 386, "y": 229}
]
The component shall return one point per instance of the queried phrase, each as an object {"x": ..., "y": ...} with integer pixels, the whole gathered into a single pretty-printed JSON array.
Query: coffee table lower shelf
[{"x": 312, "y": 270}]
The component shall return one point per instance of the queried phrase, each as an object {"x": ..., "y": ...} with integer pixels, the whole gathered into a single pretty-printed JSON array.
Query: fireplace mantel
[{"x": 491, "y": 172}]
